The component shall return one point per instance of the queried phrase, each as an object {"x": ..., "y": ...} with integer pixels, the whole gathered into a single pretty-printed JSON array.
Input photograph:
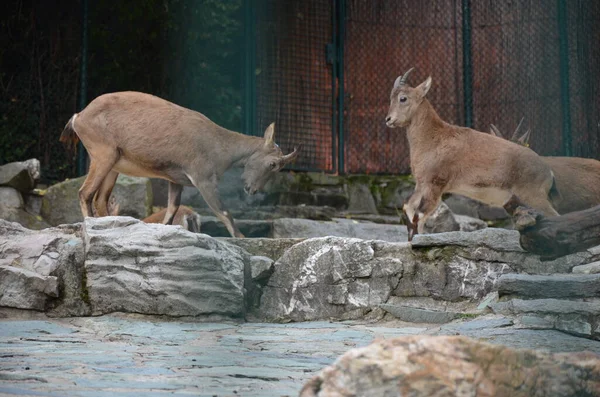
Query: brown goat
[
  {"x": 185, "y": 216},
  {"x": 142, "y": 135},
  {"x": 448, "y": 158},
  {"x": 577, "y": 179}
]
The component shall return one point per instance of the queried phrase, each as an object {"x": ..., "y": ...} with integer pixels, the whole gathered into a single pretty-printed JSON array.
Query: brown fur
[
  {"x": 577, "y": 179},
  {"x": 143, "y": 135},
  {"x": 448, "y": 158},
  {"x": 185, "y": 216}
]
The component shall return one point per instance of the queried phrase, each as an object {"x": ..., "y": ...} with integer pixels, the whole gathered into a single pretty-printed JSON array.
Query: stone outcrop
[
  {"x": 455, "y": 366},
  {"x": 41, "y": 270},
  {"x": 61, "y": 201},
  {"x": 20, "y": 175}
]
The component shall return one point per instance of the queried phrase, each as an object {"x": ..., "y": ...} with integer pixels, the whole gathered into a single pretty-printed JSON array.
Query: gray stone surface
[
  {"x": 576, "y": 317},
  {"x": 551, "y": 286},
  {"x": 24, "y": 289},
  {"x": 36, "y": 265},
  {"x": 417, "y": 315},
  {"x": 441, "y": 220},
  {"x": 469, "y": 224},
  {"x": 496, "y": 245},
  {"x": 271, "y": 248},
  {"x": 146, "y": 356},
  {"x": 261, "y": 268},
  {"x": 11, "y": 197},
  {"x": 136, "y": 267},
  {"x": 22, "y": 217},
  {"x": 18, "y": 175},
  {"x": 360, "y": 199},
  {"x": 344, "y": 278},
  {"x": 249, "y": 228},
  {"x": 61, "y": 201},
  {"x": 304, "y": 228},
  {"x": 590, "y": 268}
]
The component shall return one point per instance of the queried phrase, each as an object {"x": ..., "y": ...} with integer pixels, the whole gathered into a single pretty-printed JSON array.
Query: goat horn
[
  {"x": 291, "y": 156},
  {"x": 405, "y": 76},
  {"x": 515, "y": 136},
  {"x": 494, "y": 131}
]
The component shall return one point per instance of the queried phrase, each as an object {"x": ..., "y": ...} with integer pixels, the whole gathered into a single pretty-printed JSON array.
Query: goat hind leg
[
  {"x": 173, "y": 202},
  {"x": 95, "y": 177},
  {"x": 101, "y": 200}
]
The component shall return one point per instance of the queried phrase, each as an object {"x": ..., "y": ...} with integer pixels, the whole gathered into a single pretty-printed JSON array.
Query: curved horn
[
  {"x": 515, "y": 136},
  {"x": 401, "y": 80},
  {"x": 291, "y": 156}
]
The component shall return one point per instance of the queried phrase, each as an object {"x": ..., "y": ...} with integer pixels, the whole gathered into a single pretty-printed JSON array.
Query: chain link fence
[{"x": 492, "y": 61}]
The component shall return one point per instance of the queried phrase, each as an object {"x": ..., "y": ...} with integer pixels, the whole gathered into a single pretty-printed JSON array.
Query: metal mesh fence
[
  {"x": 293, "y": 80},
  {"x": 534, "y": 59},
  {"x": 384, "y": 38}
]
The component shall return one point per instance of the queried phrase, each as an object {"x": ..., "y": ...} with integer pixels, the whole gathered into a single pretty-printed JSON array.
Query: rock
[
  {"x": 575, "y": 317},
  {"x": 18, "y": 175},
  {"x": 552, "y": 286},
  {"x": 11, "y": 198},
  {"x": 416, "y": 315},
  {"x": 249, "y": 228},
  {"x": 391, "y": 195},
  {"x": 441, "y": 220},
  {"x": 269, "y": 247},
  {"x": 360, "y": 199},
  {"x": 24, "y": 218},
  {"x": 61, "y": 201},
  {"x": 482, "y": 323},
  {"x": 344, "y": 278},
  {"x": 36, "y": 265},
  {"x": 136, "y": 267},
  {"x": 329, "y": 277},
  {"x": 24, "y": 289},
  {"x": 590, "y": 268},
  {"x": 468, "y": 224},
  {"x": 418, "y": 366},
  {"x": 496, "y": 245},
  {"x": 261, "y": 268},
  {"x": 304, "y": 228}
]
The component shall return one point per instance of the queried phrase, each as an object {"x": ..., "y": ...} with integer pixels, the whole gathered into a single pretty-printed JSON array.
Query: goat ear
[
  {"x": 424, "y": 87},
  {"x": 269, "y": 134}
]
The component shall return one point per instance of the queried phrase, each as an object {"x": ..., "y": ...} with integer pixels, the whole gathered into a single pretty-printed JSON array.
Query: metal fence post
[
  {"x": 467, "y": 63},
  {"x": 249, "y": 108},
  {"x": 341, "y": 31},
  {"x": 565, "y": 97},
  {"x": 82, "y": 100}
]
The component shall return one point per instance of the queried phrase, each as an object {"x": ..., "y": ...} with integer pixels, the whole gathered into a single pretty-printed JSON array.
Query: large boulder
[
  {"x": 22, "y": 217},
  {"x": 421, "y": 366},
  {"x": 344, "y": 278},
  {"x": 136, "y": 267},
  {"x": 61, "y": 201},
  {"x": 20, "y": 175},
  {"x": 41, "y": 270}
]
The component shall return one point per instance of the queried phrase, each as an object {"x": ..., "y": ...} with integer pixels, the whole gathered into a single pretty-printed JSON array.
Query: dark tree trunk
[{"x": 552, "y": 237}]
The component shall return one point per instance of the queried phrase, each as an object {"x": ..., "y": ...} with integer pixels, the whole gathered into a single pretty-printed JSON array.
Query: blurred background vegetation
[{"x": 189, "y": 52}]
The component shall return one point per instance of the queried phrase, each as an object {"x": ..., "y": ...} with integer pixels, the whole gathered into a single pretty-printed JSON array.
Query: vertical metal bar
[
  {"x": 334, "y": 133},
  {"x": 82, "y": 100},
  {"x": 565, "y": 96},
  {"x": 341, "y": 92},
  {"x": 249, "y": 107},
  {"x": 467, "y": 63}
]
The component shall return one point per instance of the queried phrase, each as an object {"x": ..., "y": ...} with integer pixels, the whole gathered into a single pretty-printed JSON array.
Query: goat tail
[{"x": 69, "y": 136}]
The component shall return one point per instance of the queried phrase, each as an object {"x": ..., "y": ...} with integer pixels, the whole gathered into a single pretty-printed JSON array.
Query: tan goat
[
  {"x": 448, "y": 158},
  {"x": 142, "y": 135},
  {"x": 577, "y": 179},
  {"x": 185, "y": 216}
]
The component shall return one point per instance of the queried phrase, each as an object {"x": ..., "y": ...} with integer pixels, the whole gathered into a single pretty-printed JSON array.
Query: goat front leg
[
  {"x": 209, "y": 191},
  {"x": 173, "y": 202},
  {"x": 419, "y": 206}
]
